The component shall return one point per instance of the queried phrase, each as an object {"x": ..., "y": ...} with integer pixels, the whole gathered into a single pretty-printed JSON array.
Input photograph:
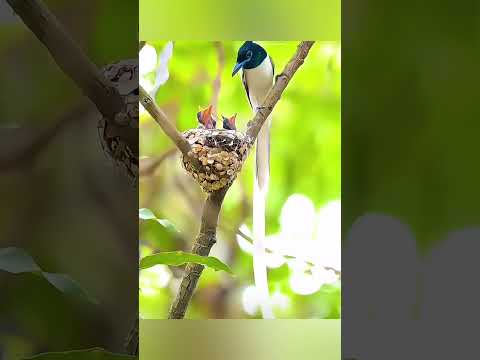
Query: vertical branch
[{"x": 202, "y": 245}]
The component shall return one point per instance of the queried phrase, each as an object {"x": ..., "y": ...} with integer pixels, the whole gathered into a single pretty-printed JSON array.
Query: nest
[
  {"x": 221, "y": 154},
  {"x": 119, "y": 136}
]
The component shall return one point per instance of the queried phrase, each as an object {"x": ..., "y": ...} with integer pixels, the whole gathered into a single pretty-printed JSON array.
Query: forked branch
[{"x": 211, "y": 210}]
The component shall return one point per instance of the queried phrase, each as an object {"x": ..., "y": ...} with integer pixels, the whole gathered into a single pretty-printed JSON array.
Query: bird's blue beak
[{"x": 238, "y": 66}]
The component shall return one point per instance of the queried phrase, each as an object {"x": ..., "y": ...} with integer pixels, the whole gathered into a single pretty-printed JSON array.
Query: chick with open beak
[
  {"x": 229, "y": 123},
  {"x": 205, "y": 118}
]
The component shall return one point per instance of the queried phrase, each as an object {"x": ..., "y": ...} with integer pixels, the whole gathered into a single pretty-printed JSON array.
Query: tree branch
[
  {"x": 202, "y": 245},
  {"x": 286, "y": 256},
  {"x": 28, "y": 153},
  {"x": 161, "y": 119},
  {"x": 207, "y": 236},
  {"x": 148, "y": 166},
  {"x": 68, "y": 55}
]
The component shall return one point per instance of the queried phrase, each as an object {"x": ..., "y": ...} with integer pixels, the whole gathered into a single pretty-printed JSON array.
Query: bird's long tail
[{"x": 262, "y": 175}]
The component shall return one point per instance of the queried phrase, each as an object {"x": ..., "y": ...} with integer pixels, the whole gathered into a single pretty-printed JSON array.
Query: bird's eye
[{"x": 249, "y": 53}]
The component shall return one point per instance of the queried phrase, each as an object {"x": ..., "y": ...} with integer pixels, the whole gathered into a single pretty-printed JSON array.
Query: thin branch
[
  {"x": 207, "y": 236},
  {"x": 276, "y": 91},
  {"x": 161, "y": 119},
  {"x": 217, "y": 83},
  {"x": 30, "y": 152},
  {"x": 68, "y": 55},
  {"x": 286, "y": 256},
  {"x": 148, "y": 166}
]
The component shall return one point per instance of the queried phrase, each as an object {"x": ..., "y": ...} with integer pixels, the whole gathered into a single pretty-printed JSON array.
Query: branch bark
[
  {"x": 161, "y": 119},
  {"x": 202, "y": 245},
  {"x": 68, "y": 55}
]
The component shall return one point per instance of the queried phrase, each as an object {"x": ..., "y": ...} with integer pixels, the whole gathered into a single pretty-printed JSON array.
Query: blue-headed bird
[{"x": 258, "y": 78}]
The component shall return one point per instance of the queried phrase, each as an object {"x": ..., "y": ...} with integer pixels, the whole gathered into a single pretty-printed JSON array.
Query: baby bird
[
  {"x": 206, "y": 119},
  {"x": 229, "y": 123}
]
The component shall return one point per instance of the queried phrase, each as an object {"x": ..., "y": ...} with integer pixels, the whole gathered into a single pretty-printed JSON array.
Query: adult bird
[{"x": 257, "y": 78}]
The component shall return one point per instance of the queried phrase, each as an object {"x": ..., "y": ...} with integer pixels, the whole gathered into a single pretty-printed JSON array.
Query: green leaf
[
  {"x": 146, "y": 214},
  {"x": 16, "y": 261},
  {"x": 68, "y": 286},
  {"x": 167, "y": 224},
  {"x": 87, "y": 354},
  {"x": 176, "y": 258}
]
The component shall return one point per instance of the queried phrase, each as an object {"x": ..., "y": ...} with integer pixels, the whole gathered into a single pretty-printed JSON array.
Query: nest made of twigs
[
  {"x": 119, "y": 136},
  {"x": 220, "y": 153}
]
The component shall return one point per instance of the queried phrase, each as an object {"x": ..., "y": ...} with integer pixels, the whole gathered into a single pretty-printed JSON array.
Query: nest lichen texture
[
  {"x": 220, "y": 153},
  {"x": 119, "y": 135}
]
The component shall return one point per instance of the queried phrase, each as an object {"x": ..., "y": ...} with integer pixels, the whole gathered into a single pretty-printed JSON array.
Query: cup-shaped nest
[
  {"x": 119, "y": 136},
  {"x": 220, "y": 154}
]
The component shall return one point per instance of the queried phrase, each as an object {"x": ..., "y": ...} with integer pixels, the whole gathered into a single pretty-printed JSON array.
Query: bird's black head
[{"x": 249, "y": 56}]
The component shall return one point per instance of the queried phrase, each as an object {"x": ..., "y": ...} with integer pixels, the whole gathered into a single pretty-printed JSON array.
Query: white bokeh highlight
[
  {"x": 153, "y": 279},
  {"x": 154, "y": 68},
  {"x": 309, "y": 242}
]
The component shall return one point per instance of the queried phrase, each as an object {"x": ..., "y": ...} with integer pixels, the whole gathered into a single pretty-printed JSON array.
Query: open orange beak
[
  {"x": 232, "y": 119},
  {"x": 206, "y": 114}
]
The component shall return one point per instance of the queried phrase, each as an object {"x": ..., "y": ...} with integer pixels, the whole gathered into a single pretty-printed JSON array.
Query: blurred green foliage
[
  {"x": 18, "y": 261},
  {"x": 224, "y": 20},
  {"x": 305, "y": 159},
  {"x": 68, "y": 206}
]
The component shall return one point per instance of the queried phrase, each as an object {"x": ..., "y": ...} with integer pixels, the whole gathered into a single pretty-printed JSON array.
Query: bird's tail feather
[
  {"x": 262, "y": 175},
  {"x": 262, "y": 159}
]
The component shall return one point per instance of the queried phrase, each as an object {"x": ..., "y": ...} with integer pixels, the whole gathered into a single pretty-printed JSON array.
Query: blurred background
[
  {"x": 62, "y": 199},
  {"x": 304, "y": 209},
  {"x": 410, "y": 220}
]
